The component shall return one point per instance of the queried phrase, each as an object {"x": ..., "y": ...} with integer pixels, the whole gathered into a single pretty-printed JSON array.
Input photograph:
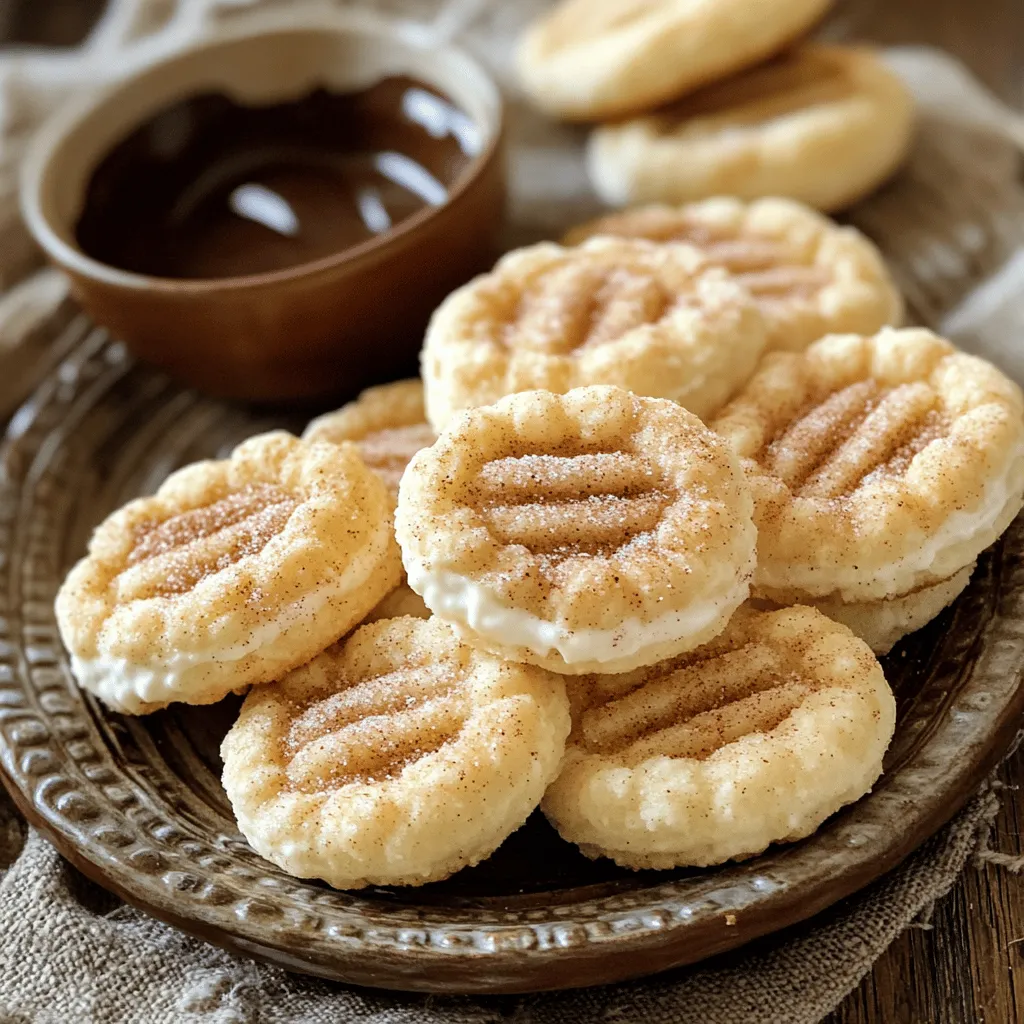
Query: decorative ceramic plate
[{"x": 137, "y": 805}]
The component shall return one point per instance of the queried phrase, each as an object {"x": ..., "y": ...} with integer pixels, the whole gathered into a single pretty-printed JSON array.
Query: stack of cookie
[
  {"x": 703, "y": 97},
  {"x": 627, "y": 552}
]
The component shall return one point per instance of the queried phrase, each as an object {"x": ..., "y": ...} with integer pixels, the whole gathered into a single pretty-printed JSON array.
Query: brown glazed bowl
[{"x": 316, "y": 330}]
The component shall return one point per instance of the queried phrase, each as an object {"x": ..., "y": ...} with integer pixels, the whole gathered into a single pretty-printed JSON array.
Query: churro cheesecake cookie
[
  {"x": 881, "y": 467},
  {"x": 394, "y": 758},
  {"x": 594, "y": 531},
  {"x": 595, "y": 59},
  {"x": 387, "y": 424},
  {"x": 654, "y": 319},
  {"x": 809, "y": 276},
  {"x": 232, "y": 573},
  {"x": 754, "y": 739},
  {"x": 821, "y": 124}
]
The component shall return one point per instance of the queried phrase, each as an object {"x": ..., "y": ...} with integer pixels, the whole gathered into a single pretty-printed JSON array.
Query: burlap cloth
[{"x": 953, "y": 225}]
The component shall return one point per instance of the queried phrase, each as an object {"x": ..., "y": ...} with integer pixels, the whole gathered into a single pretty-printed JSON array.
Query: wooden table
[{"x": 968, "y": 968}]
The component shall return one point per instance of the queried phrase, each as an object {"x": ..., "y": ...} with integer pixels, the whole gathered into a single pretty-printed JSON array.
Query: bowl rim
[{"x": 47, "y": 141}]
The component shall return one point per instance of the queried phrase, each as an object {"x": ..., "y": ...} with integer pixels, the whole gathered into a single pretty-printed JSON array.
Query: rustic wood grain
[{"x": 968, "y": 966}]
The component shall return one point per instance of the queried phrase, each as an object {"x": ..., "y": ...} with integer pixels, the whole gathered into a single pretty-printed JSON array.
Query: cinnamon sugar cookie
[
  {"x": 822, "y": 124},
  {"x": 880, "y": 467},
  {"x": 754, "y": 739},
  {"x": 589, "y": 532},
  {"x": 396, "y": 758},
  {"x": 594, "y": 59},
  {"x": 387, "y": 424},
  {"x": 654, "y": 319},
  {"x": 232, "y": 573},
  {"x": 808, "y": 275}
]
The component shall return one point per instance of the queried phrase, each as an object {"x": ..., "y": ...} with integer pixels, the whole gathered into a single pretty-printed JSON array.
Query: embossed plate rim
[{"x": 179, "y": 875}]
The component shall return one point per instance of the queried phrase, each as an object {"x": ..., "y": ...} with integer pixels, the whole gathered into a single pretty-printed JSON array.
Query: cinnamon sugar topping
[
  {"x": 559, "y": 506},
  {"x": 862, "y": 431},
  {"x": 694, "y": 705},
  {"x": 772, "y": 269},
  {"x": 388, "y": 451},
  {"x": 809, "y": 276},
  {"x": 371, "y": 728},
  {"x": 175, "y": 554},
  {"x": 578, "y": 304}
]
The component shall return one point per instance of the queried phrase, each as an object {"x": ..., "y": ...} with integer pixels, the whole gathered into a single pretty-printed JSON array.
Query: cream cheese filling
[{"x": 457, "y": 598}]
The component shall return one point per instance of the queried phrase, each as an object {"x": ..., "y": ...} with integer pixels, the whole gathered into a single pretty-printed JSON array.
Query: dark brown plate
[{"x": 136, "y": 803}]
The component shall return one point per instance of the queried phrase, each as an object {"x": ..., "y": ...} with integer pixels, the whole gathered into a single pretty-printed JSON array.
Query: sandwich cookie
[
  {"x": 657, "y": 320},
  {"x": 595, "y": 531},
  {"x": 881, "y": 467},
  {"x": 809, "y": 276},
  {"x": 231, "y": 574},
  {"x": 754, "y": 739}
]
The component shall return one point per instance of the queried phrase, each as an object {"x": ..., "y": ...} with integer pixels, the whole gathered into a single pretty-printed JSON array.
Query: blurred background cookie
[
  {"x": 821, "y": 124},
  {"x": 594, "y": 59},
  {"x": 657, "y": 320},
  {"x": 808, "y": 275}
]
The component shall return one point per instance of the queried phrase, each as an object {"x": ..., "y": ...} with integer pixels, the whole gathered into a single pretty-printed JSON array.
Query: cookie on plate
[
  {"x": 809, "y": 276},
  {"x": 395, "y": 758},
  {"x": 754, "y": 739},
  {"x": 821, "y": 124},
  {"x": 589, "y": 60},
  {"x": 387, "y": 424},
  {"x": 231, "y": 574},
  {"x": 881, "y": 467},
  {"x": 654, "y": 319},
  {"x": 595, "y": 531}
]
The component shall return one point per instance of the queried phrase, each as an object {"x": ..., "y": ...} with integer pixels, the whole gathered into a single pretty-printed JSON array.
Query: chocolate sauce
[{"x": 211, "y": 188}]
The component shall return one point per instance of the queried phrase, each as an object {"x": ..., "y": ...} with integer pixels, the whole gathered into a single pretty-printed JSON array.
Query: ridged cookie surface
[
  {"x": 231, "y": 574},
  {"x": 754, "y": 739},
  {"x": 657, "y": 320},
  {"x": 396, "y": 758},
  {"x": 588, "y": 532}
]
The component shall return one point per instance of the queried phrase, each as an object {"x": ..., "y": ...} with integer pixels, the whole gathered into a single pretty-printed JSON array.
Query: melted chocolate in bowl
[{"x": 210, "y": 188}]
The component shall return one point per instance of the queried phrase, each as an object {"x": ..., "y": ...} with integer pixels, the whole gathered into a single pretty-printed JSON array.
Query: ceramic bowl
[{"x": 315, "y": 330}]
